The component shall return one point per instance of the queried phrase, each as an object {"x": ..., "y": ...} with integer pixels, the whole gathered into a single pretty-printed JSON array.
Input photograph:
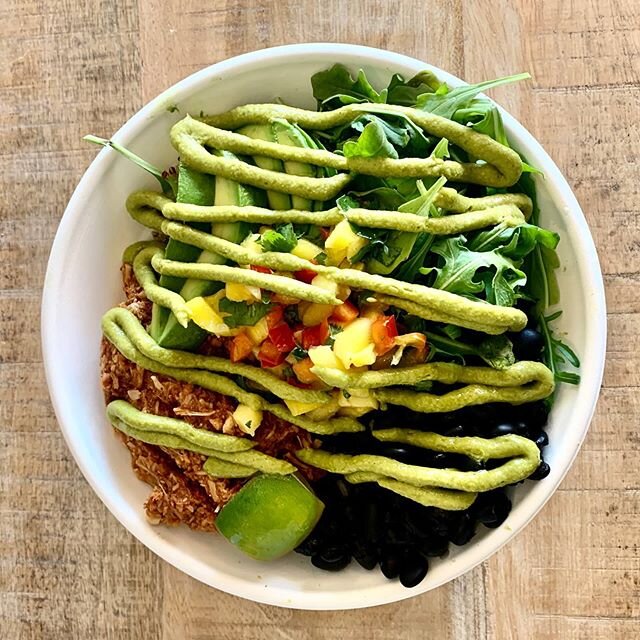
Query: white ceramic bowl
[{"x": 83, "y": 281}]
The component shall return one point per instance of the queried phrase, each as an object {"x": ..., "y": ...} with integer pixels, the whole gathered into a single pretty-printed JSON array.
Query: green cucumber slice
[
  {"x": 265, "y": 132},
  {"x": 227, "y": 192},
  {"x": 194, "y": 187}
]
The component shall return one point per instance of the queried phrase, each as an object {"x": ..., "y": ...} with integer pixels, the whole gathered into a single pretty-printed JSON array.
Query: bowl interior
[{"x": 83, "y": 282}]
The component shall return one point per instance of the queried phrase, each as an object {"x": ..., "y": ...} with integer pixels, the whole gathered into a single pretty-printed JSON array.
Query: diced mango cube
[
  {"x": 214, "y": 300},
  {"x": 327, "y": 409},
  {"x": 359, "y": 398},
  {"x": 206, "y": 317},
  {"x": 315, "y": 313},
  {"x": 322, "y": 282},
  {"x": 247, "y": 419},
  {"x": 306, "y": 250},
  {"x": 354, "y": 412},
  {"x": 258, "y": 332},
  {"x": 298, "y": 408},
  {"x": 251, "y": 243},
  {"x": 354, "y": 346},
  {"x": 242, "y": 292},
  {"x": 343, "y": 242},
  {"x": 323, "y": 356},
  {"x": 364, "y": 357}
]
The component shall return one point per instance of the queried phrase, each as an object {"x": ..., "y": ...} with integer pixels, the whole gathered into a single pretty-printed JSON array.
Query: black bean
[
  {"x": 397, "y": 533},
  {"x": 365, "y": 556},
  {"x": 492, "y": 508},
  {"x": 527, "y": 344},
  {"x": 443, "y": 460},
  {"x": 541, "y": 472},
  {"x": 438, "y": 522},
  {"x": 398, "y": 452},
  {"x": 351, "y": 443},
  {"x": 503, "y": 429},
  {"x": 434, "y": 546},
  {"x": 390, "y": 562},
  {"x": 371, "y": 523},
  {"x": 309, "y": 546},
  {"x": 455, "y": 432},
  {"x": 480, "y": 417},
  {"x": 463, "y": 531},
  {"x": 413, "y": 570},
  {"x": 536, "y": 414},
  {"x": 468, "y": 464},
  {"x": 331, "y": 559},
  {"x": 541, "y": 439}
]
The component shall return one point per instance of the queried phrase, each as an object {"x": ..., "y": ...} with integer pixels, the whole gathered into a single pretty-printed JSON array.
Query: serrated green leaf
[
  {"x": 446, "y": 103},
  {"x": 241, "y": 314}
]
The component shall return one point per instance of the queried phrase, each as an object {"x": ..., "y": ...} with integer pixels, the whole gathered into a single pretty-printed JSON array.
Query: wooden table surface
[{"x": 68, "y": 67}]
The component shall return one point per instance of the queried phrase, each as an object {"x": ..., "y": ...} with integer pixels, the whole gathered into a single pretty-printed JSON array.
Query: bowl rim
[{"x": 557, "y": 185}]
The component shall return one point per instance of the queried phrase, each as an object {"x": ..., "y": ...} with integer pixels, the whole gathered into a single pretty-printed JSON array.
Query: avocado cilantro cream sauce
[
  {"x": 437, "y": 304},
  {"x": 502, "y": 166},
  {"x": 321, "y": 175}
]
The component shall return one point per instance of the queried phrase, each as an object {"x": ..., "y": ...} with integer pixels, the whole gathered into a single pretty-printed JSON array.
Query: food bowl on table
[{"x": 83, "y": 282}]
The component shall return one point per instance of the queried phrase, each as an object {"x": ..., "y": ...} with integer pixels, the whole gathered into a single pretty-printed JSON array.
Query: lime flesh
[{"x": 270, "y": 516}]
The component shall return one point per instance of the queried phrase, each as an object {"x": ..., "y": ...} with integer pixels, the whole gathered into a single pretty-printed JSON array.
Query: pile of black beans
[{"x": 376, "y": 527}]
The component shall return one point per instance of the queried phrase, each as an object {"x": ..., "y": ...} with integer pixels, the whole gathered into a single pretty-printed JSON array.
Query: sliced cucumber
[
  {"x": 292, "y": 136},
  {"x": 227, "y": 192},
  {"x": 265, "y": 132},
  {"x": 194, "y": 187}
]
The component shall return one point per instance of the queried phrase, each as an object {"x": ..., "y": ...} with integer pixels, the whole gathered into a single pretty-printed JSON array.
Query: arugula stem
[{"x": 167, "y": 184}]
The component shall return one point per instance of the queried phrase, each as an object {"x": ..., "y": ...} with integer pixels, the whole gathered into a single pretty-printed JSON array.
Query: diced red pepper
[
  {"x": 302, "y": 369},
  {"x": 240, "y": 347},
  {"x": 282, "y": 337},
  {"x": 269, "y": 355},
  {"x": 275, "y": 316},
  {"x": 255, "y": 267},
  {"x": 305, "y": 275},
  {"x": 344, "y": 313},
  {"x": 383, "y": 332},
  {"x": 314, "y": 336},
  {"x": 324, "y": 232}
]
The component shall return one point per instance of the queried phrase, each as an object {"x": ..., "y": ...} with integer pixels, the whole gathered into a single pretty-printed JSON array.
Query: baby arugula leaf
[
  {"x": 496, "y": 351},
  {"x": 461, "y": 272},
  {"x": 542, "y": 286},
  {"x": 372, "y": 143},
  {"x": 483, "y": 116},
  {"x": 400, "y": 244},
  {"x": 445, "y": 102},
  {"x": 168, "y": 183},
  {"x": 337, "y": 85},
  {"x": 441, "y": 150},
  {"x": 397, "y": 134},
  {"x": 402, "y": 132},
  {"x": 421, "y": 205},
  {"x": 406, "y": 92},
  {"x": 513, "y": 242},
  {"x": 556, "y": 353}
]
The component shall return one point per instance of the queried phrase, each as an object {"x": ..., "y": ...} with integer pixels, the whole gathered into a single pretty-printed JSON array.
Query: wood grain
[{"x": 67, "y": 568}]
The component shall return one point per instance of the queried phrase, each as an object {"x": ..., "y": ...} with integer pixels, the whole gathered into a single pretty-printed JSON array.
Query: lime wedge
[{"x": 270, "y": 516}]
